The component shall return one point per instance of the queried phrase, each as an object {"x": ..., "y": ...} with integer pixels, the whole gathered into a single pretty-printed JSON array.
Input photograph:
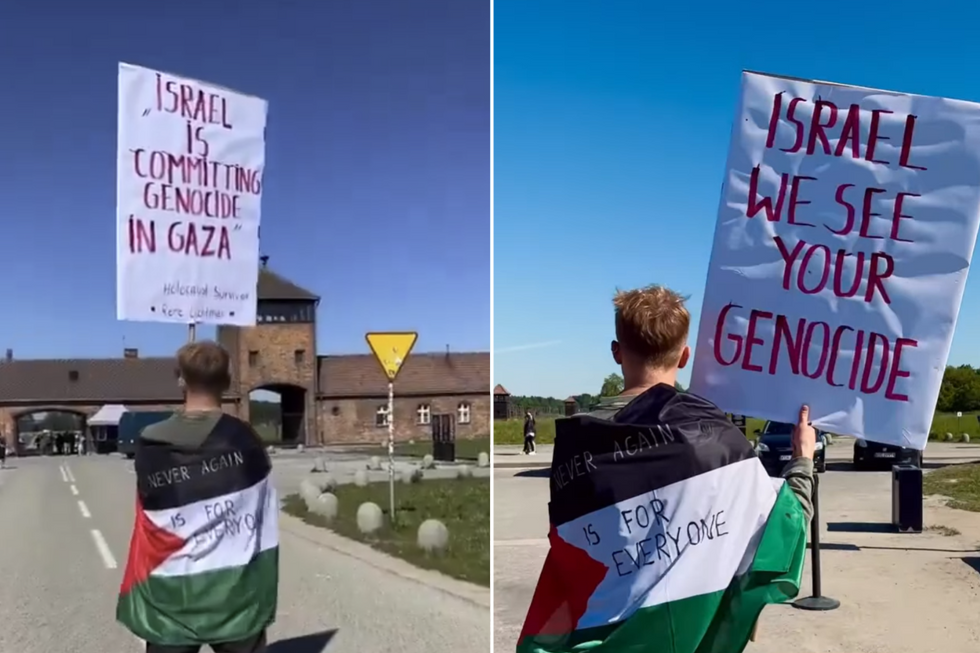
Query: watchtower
[{"x": 278, "y": 354}]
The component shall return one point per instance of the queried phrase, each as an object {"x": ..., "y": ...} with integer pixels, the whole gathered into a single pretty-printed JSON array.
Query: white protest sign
[
  {"x": 190, "y": 165},
  {"x": 845, "y": 232}
]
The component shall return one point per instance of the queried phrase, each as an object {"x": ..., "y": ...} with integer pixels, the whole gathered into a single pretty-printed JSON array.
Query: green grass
[
  {"x": 268, "y": 432},
  {"x": 961, "y": 483},
  {"x": 467, "y": 449},
  {"x": 511, "y": 431},
  {"x": 943, "y": 423},
  {"x": 463, "y": 505}
]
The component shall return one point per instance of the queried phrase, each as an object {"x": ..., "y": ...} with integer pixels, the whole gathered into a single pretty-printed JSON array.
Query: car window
[{"x": 777, "y": 428}]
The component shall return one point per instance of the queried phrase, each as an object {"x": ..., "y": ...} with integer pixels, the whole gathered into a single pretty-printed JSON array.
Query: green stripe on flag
[
  {"x": 223, "y": 605},
  {"x": 719, "y": 622}
]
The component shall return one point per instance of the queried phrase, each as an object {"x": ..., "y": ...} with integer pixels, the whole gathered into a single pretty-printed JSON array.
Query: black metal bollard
[{"x": 817, "y": 601}]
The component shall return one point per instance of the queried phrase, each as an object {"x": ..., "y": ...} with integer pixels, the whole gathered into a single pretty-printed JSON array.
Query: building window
[
  {"x": 424, "y": 413},
  {"x": 463, "y": 413},
  {"x": 381, "y": 416},
  {"x": 253, "y": 358},
  {"x": 283, "y": 312},
  {"x": 299, "y": 356}
]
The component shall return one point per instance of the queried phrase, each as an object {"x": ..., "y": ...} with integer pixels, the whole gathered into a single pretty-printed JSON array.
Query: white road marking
[
  {"x": 103, "y": 547},
  {"x": 74, "y": 490},
  {"x": 71, "y": 477},
  {"x": 64, "y": 474},
  {"x": 85, "y": 513}
]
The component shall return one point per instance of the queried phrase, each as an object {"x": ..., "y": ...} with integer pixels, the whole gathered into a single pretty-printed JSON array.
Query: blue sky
[
  {"x": 611, "y": 131},
  {"x": 377, "y": 188}
]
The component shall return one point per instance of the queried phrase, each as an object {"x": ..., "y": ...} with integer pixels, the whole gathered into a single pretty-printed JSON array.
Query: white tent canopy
[{"x": 108, "y": 415}]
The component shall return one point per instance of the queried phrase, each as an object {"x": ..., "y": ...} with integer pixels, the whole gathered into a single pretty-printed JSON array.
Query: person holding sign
[
  {"x": 203, "y": 564},
  {"x": 667, "y": 534}
]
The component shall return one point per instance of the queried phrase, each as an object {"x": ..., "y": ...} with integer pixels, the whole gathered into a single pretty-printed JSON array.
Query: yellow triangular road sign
[{"x": 391, "y": 350}]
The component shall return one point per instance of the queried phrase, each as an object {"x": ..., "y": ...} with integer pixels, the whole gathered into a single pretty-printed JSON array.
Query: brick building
[{"x": 325, "y": 399}]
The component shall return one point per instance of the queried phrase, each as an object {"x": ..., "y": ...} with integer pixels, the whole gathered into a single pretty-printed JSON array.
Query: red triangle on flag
[
  {"x": 568, "y": 579},
  {"x": 148, "y": 548}
]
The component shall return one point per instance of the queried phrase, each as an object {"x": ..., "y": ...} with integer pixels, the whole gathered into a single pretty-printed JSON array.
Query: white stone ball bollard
[
  {"x": 433, "y": 536},
  {"x": 369, "y": 517},
  {"x": 483, "y": 460},
  {"x": 326, "y": 505},
  {"x": 360, "y": 478}
]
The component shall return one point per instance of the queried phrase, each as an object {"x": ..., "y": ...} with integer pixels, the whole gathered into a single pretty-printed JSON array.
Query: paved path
[
  {"x": 65, "y": 525},
  {"x": 899, "y": 593}
]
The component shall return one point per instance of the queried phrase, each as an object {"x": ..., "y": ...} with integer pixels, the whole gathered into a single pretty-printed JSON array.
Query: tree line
[
  {"x": 959, "y": 392},
  {"x": 612, "y": 385}
]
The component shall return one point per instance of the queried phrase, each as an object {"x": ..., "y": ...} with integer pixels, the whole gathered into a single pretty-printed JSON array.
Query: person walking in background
[
  {"x": 529, "y": 433},
  {"x": 3, "y": 451},
  {"x": 203, "y": 564}
]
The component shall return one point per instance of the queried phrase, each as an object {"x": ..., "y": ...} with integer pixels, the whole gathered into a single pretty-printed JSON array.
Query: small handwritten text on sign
[
  {"x": 190, "y": 172},
  {"x": 845, "y": 233}
]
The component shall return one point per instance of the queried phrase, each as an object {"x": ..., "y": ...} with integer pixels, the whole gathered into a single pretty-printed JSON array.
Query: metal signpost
[{"x": 391, "y": 349}]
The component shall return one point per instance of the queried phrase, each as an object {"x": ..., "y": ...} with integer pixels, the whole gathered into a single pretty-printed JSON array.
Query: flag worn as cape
[
  {"x": 667, "y": 535},
  {"x": 204, "y": 557}
]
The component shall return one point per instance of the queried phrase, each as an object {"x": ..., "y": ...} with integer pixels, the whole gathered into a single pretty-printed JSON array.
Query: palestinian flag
[
  {"x": 667, "y": 535},
  {"x": 204, "y": 557}
]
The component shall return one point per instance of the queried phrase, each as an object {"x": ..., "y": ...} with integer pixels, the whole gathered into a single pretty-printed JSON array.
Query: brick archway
[{"x": 13, "y": 425}]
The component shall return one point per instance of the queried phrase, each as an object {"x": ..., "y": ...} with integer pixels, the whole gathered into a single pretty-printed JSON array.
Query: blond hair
[
  {"x": 204, "y": 366},
  {"x": 652, "y": 323}
]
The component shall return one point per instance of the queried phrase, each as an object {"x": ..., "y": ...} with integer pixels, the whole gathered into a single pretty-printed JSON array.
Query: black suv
[{"x": 774, "y": 448}]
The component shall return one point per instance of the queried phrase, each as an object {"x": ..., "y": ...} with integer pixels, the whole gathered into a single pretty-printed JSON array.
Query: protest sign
[
  {"x": 190, "y": 165},
  {"x": 844, "y": 236}
]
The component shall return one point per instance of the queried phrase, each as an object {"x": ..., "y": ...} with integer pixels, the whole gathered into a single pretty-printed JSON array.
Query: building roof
[
  {"x": 154, "y": 380},
  {"x": 421, "y": 374},
  {"x": 98, "y": 380},
  {"x": 500, "y": 390},
  {"x": 273, "y": 286}
]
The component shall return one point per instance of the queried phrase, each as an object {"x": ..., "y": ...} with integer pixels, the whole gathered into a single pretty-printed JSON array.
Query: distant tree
[
  {"x": 612, "y": 386},
  {"x": 263, "y": 412},
  {"x": 537, "y": 405},
  {"x": 960, "y": 390}
]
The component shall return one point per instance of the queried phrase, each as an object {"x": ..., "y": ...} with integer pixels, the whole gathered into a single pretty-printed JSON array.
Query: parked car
[
  {"x": 775, "y": 448},
  {"x": 875, "y": 455}
]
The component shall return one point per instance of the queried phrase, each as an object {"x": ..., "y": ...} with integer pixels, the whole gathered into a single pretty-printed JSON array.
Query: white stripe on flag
[
  {"x": 687, "y": 539},
  {"x": 223, "y": 532}
]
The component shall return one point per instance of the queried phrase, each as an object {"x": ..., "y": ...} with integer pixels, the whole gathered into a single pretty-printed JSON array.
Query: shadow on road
[
  {"x": 313, "y": 643},
  {"x": 973, "y": 562},
  {"x": 540, "y": 472},
  {"x": 854, "y": 548},
  {"x": 848, "y": 466},
  {"x": 859, "y": 527}
]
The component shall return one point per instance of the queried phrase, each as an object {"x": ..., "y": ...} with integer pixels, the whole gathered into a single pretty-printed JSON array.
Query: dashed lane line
[
  {"x": 64, "y": 474},
  {"x": 103, "y": 547},
  {"x": 74, "y": 490},
  {"x": 71, "y": 477},
  {"x": 84, "y": 509}
]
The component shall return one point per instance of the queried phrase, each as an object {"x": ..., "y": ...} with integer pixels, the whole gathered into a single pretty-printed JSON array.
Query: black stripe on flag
[
  {"x": 232, "y": 458},
  {"x": 662, "y": 437}
]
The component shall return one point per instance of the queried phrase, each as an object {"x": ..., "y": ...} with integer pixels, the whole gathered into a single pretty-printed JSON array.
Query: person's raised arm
[{"x": 799, "y": 472}]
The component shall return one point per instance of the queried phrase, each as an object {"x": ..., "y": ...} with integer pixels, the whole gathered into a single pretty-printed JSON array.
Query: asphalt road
[
  {"x": 65, "y": 525},
  {"x": 891, "y": 586}
]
